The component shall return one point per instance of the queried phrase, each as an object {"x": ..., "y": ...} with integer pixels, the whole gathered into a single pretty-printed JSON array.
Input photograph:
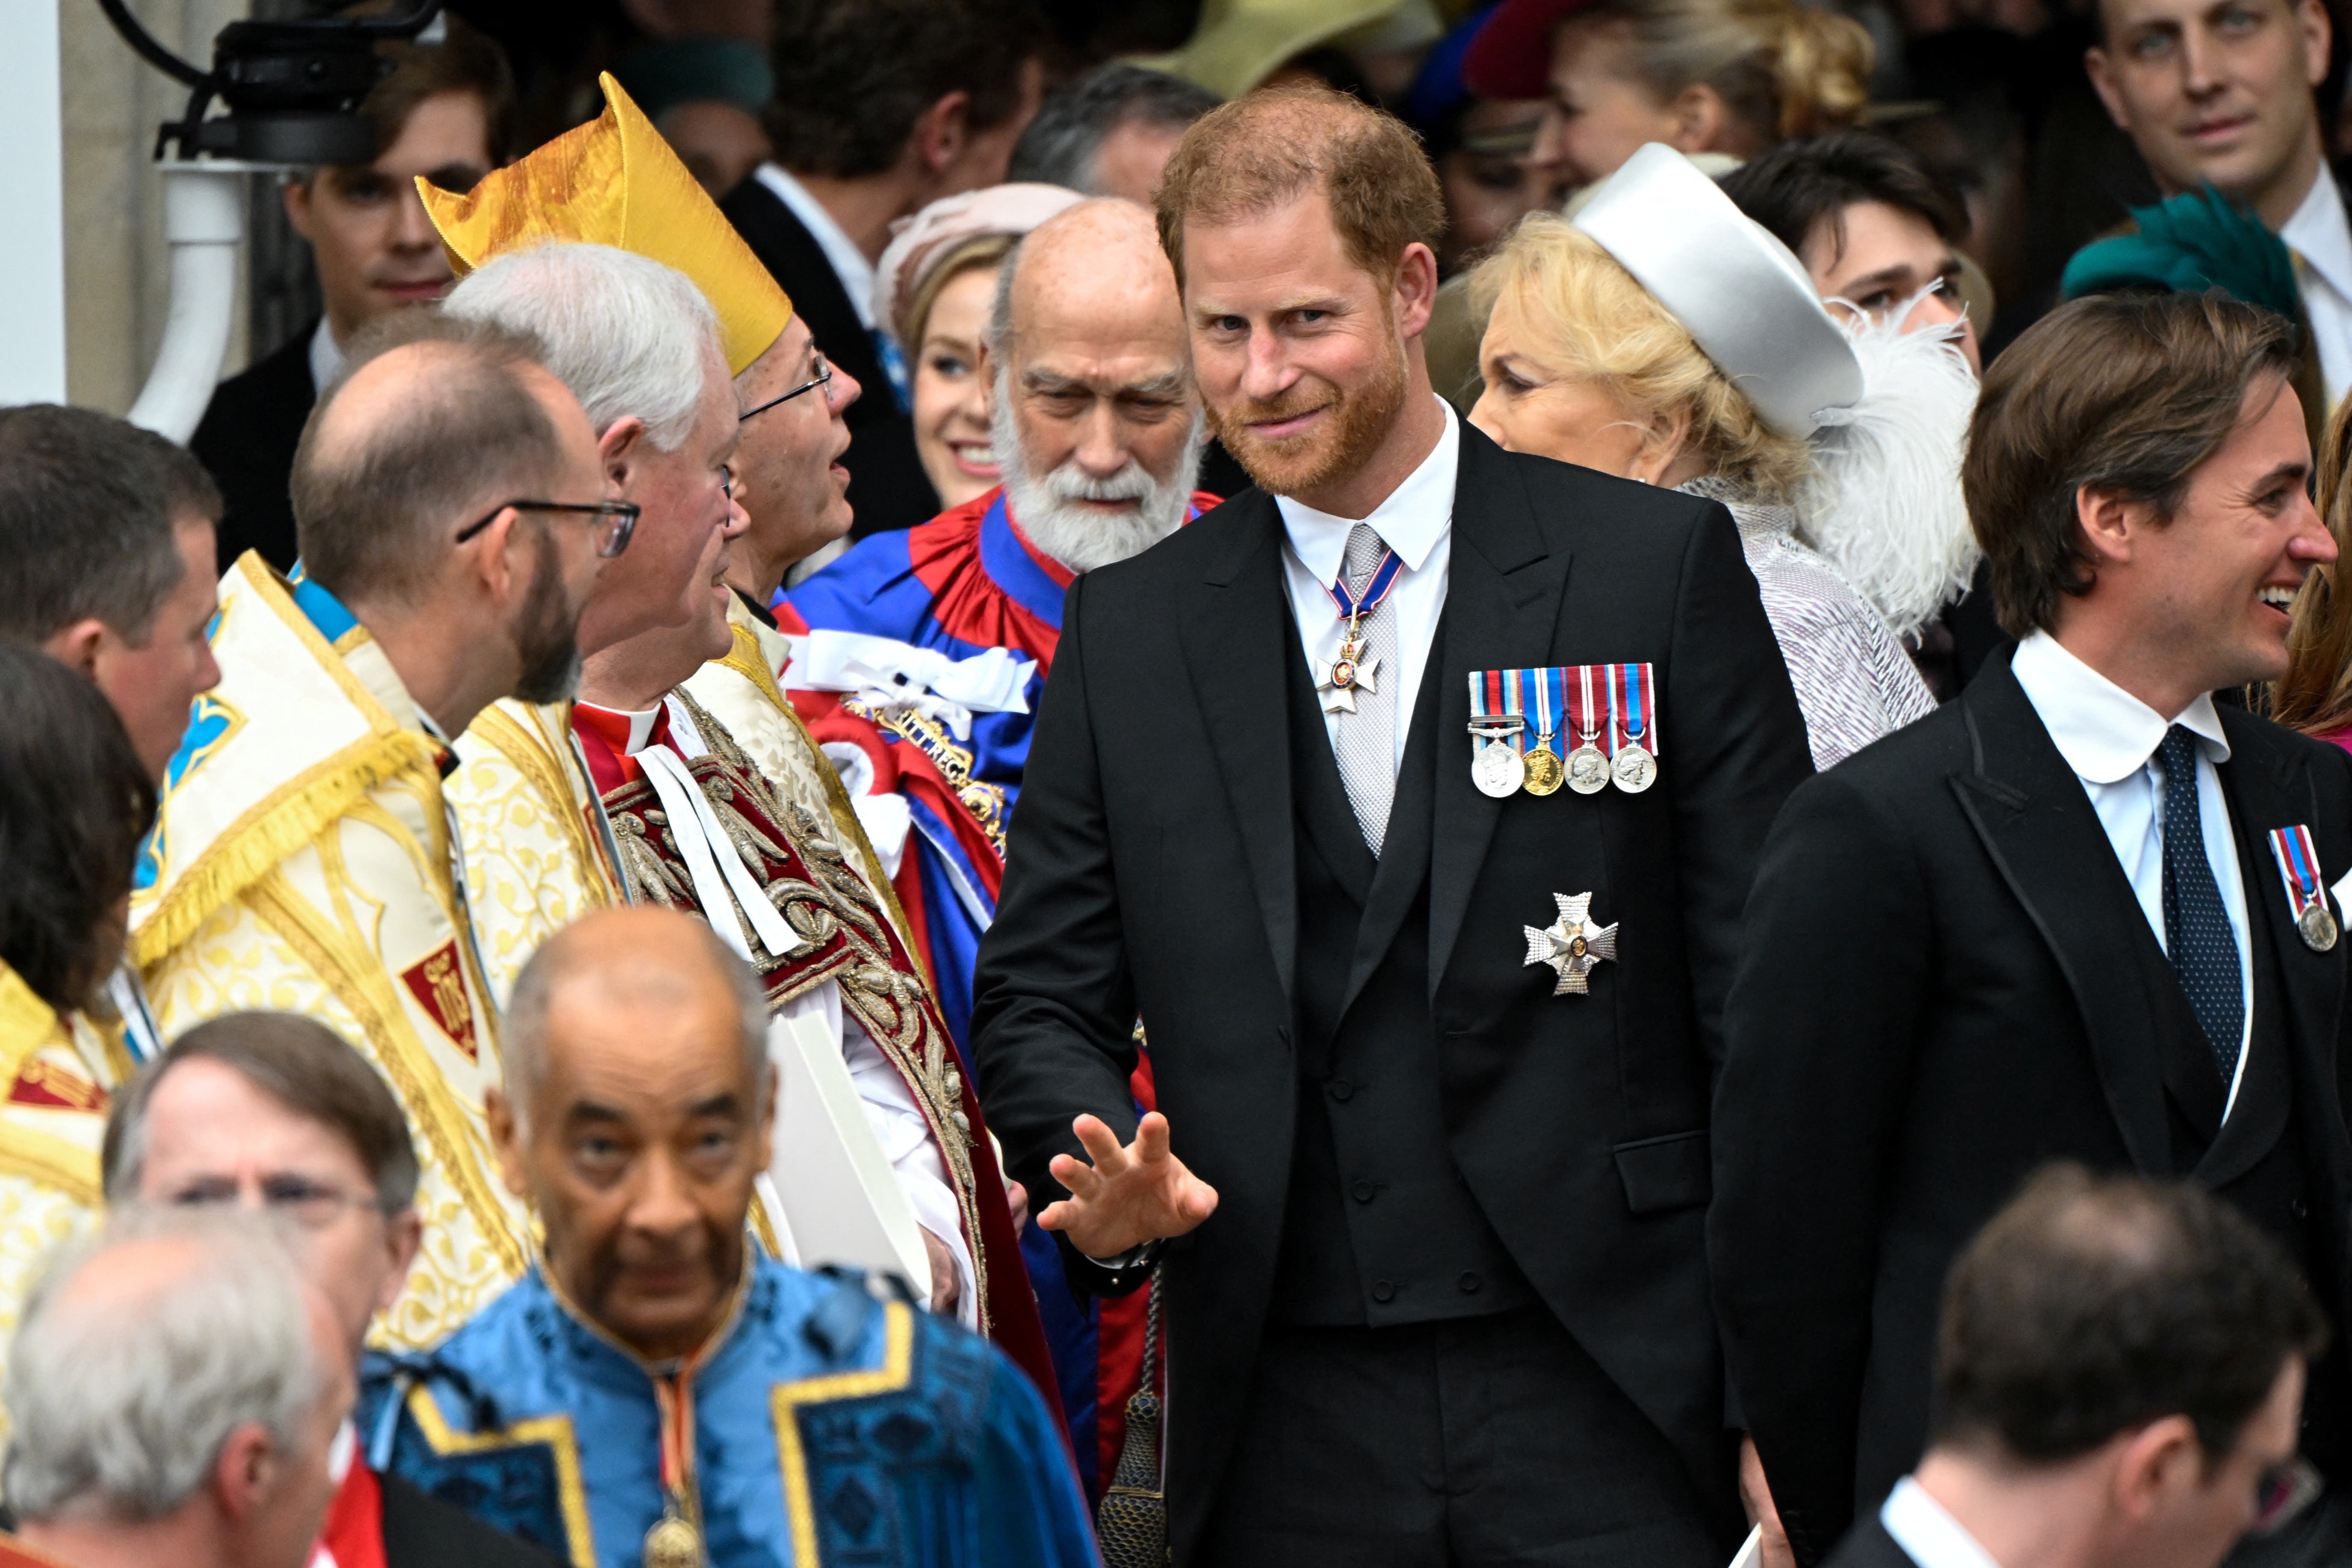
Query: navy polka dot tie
[{"x": 2196, "y": 935}]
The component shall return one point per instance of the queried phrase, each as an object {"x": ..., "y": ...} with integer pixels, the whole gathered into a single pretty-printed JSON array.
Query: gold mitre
[{"x": 615, "y": 182}]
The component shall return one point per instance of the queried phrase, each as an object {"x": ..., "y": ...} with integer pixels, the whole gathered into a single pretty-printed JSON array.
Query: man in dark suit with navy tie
[{"x": 2083, "y": 912}]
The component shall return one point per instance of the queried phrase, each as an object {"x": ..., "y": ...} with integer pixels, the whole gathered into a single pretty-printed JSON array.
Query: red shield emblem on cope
[{"x": 438, "y": 982}]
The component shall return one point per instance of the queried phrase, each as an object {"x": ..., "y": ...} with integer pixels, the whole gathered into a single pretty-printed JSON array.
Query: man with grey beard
[{"x": 919, "y": 655}]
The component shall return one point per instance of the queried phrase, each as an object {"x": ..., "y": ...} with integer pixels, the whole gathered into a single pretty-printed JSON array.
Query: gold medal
[
  {"x": 673, "y": 1544},
  {"x": 1545, "y": 773}
]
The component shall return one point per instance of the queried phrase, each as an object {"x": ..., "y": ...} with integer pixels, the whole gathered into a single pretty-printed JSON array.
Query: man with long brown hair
[{"x": 1435, "y": 1047}]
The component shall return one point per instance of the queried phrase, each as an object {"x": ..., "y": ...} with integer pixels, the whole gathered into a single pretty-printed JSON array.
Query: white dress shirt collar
[
  {"x": 2105, "y": 732},
  {"x": 2320, "y": 233},
  {"x": 1413, "y": 518},
  {"x": 1928, "y": 1532},
  {"x": 326, "y": 359},
  {"x": 849, "y": 263}
]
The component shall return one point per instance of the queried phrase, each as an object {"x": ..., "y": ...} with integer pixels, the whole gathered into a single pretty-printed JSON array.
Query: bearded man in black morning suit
[
  {"x": 1434, "y": 1288},
  {"x": 2081, "y": 912}
]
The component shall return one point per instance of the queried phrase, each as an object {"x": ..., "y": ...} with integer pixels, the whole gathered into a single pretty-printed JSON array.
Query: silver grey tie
[{"x": 1366, "y": 746}]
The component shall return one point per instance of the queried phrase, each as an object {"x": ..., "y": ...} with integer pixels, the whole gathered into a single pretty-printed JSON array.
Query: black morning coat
[
  {"x": 1152, "y": 873},
  {"x": 1948, "y": 983},
  {"x": 887, "y": 486}
]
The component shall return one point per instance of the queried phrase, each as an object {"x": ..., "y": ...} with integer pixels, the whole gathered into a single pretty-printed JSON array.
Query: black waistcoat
[
  {"x": 2256, "y": 1158},
  {"x": 1379, "y": 1228}
]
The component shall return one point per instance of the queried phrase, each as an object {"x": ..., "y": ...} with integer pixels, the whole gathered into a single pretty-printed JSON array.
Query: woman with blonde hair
[
  {"x": 1665, "y": 338},
  {"x": 2314, "y": 696},
  {"x": 1725, "y": 77},
  {"x": 933, "y": 289}
]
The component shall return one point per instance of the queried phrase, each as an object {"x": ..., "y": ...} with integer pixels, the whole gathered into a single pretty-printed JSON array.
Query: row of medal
[{"x": 1522, "y": 721}]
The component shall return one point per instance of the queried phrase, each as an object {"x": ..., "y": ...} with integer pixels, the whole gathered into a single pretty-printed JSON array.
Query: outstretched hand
[{"x": 1128, "y": 1196}]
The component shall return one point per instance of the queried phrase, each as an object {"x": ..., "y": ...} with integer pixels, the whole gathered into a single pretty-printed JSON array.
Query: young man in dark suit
[
  {"x": 2118, "y": 1382},
  {"x": 2081, "y": 912},
  {"x": 440, "y": 114},
  {"x": 1436, "y": 1049},
  {"x": 881, "y": 108}
]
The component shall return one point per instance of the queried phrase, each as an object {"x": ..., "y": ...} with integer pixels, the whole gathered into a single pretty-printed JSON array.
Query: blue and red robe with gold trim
[{"x": 967, "y": 581}]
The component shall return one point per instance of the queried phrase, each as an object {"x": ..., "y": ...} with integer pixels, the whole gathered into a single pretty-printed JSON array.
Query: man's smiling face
[{"x": 1294, "y": 345}]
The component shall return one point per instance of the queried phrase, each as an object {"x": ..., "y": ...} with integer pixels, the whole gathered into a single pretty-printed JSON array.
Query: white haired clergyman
[
  {"x": 629, "y": 335},
  {"x": 175, "y": 1390}
]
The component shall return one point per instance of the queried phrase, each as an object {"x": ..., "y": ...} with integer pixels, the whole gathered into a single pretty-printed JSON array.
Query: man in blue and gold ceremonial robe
[{"x": 656, "y": 1391}]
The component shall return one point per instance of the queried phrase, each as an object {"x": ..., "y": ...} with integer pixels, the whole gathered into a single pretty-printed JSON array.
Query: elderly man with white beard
[{"x": 919, "y": 655}]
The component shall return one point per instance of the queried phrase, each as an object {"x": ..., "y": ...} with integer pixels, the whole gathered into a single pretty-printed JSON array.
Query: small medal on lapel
[
  {"x": 2298, "y": 864},
  {"x": 1634, "y": 726},
  {"x": 1545, "y": 772},
  {"x": 1496, "y": 726},
  {"x": 1587, "y": 765},
  {"x": 1572, "y": 944}
]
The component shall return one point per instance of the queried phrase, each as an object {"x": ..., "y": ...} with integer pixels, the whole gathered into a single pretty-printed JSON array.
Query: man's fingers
[
  {"x": 1058, "y": 1216},
  {"x": 1198, "y": 1200},
  {"x": 1101, "y": 1145},
  {"x": 1074, "y": 1174},
  {"x": 1151, "y": 1138}
]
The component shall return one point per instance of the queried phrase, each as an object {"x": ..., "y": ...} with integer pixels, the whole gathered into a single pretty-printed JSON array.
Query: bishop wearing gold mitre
[{"x": 707, "y": 793}]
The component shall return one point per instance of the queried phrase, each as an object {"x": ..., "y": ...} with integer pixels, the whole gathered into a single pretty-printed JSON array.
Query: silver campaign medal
[
  {"x": 2318, "y": 928},
  {"x": 1496, "y": 765},
  {"x": 1572, "y": 944},
  {"x": 1497, "y": 769}
]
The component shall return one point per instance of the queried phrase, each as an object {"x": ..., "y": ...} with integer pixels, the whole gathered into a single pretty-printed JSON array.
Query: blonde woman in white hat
[{"x": 1664, "y": 337}]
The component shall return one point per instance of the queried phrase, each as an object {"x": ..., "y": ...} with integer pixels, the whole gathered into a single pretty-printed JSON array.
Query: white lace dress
[{"x": 1854, "y": 681}]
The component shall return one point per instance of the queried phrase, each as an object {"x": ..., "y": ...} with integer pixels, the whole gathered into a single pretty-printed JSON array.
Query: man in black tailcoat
[{"x": 1432, "y": 1051}]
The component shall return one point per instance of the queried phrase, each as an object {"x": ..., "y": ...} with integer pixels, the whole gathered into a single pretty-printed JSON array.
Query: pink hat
[{"x": 932, "y": 235}]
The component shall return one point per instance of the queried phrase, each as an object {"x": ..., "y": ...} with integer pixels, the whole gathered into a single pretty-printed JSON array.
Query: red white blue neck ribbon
[{"x": 1385, "y": 577}]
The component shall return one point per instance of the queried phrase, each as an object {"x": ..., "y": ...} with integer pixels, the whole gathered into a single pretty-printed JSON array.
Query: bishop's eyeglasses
[
  {"x": 823, "y": 377},
  {"x": 616, "y": 521}
]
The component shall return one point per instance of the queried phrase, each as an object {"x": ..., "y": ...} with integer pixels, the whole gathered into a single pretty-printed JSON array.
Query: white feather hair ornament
[{"x": 1884, "y": 502}]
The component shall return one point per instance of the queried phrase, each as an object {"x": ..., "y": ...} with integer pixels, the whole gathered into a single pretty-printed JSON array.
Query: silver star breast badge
[
  {"x": 1572, "y": 944},
  {"x": 1337, "y": 681}
]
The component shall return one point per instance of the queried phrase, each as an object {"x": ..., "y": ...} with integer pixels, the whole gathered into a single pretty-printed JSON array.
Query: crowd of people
[{"x": 804, "y": 844}]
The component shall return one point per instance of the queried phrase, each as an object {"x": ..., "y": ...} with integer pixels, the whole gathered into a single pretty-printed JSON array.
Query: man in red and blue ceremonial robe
[{"x": 918, "y": 658}]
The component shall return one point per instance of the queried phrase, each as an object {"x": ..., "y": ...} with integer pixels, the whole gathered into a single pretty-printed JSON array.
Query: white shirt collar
[
  {"x": 1928, "y": 1532},
  {"x": 1413, "y": 518},
  {"x": 2105, "y": 732},
  {"x": 2320, "y": 233},
  {"x": 849, "y": 263},
  {"x": 326, "y": 359}
]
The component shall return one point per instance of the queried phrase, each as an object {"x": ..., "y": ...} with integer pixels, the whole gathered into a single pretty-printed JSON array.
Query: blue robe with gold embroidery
[{"x": 829, "y": 1428}]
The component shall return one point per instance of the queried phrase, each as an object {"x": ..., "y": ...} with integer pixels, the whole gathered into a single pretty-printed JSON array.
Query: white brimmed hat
[{"x": 1735, "y": 288}]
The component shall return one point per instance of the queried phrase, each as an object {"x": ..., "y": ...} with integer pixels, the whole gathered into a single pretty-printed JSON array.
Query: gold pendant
[
  {"x": 673, "y": 1544},
  {"x": 1545, "y": 773}
]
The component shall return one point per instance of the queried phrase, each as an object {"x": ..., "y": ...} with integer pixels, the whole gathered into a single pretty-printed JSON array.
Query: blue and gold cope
[{"x": 829, "y": 1428}]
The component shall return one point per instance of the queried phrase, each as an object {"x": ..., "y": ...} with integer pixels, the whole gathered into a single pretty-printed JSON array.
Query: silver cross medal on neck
[
  {"x": 1337, "y": 681},
  {"x": 1353, "y": 669},
  {"x": 1572, "y": 944}
]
